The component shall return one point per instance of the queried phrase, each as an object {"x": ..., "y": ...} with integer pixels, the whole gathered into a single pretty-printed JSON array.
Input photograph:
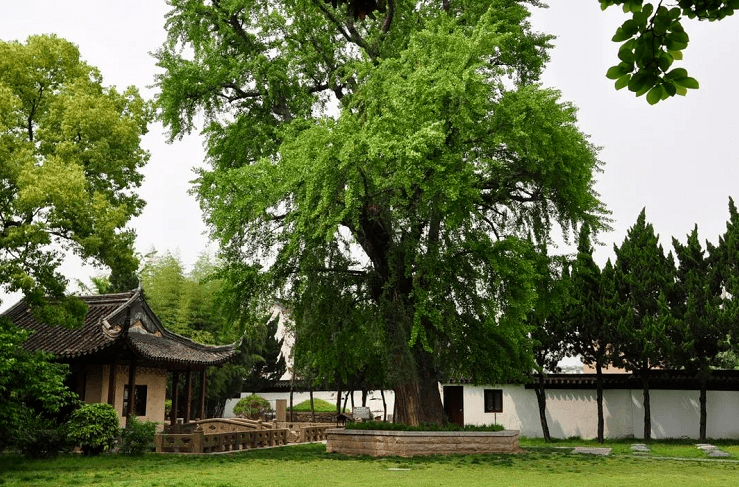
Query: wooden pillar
[
  {"x": 188, "y": 395},
  {"x": 175, "y": 393},
  {"x": 203, "y": 384},
  {"x": 111, "y": 385},
  {"x": 131, "y": 390}
]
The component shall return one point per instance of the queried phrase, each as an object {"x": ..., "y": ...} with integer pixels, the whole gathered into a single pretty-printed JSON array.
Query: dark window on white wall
[
  {"x": 493, "y": 400},
  {"x": 139, "y": 404}
]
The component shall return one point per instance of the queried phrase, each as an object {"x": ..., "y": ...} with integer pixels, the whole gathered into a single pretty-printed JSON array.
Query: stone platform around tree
[{"x": 382, "y": 443}]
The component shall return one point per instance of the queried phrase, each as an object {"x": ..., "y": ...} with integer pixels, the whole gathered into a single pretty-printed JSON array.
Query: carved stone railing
[
  {"x": 198, "y": 441},
  {"x": 313, "y": 432},
  {"x": 234, "y": 434},
  {"x": 220, "y": 425}
]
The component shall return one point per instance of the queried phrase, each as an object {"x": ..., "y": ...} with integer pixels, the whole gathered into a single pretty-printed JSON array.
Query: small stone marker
[{"x": 592, "y": 451}]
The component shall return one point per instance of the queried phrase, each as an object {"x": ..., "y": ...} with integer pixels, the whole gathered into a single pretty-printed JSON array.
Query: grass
[
  {"x": 319, "y": 405},
  {"x": 310, "y": 465}
]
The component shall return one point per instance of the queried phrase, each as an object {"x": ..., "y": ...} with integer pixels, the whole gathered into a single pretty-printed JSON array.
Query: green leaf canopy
[
  {"x": 388, "y": 179},
  {"x": 69, "y": 163}
]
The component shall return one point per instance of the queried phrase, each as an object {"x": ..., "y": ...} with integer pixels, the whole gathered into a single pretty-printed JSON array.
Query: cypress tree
[
  {"x": 643, "y": 280},
  {"x": 587, "y": 319},
  {"x": 701, "y": 325}
]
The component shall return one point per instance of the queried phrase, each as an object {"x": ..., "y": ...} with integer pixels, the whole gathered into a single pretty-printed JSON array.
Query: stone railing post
[
  {"x": 158, "y": 440},
  {"x": 197, "y": 440}
]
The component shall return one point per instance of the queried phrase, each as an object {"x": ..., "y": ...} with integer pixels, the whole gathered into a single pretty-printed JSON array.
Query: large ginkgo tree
[{"x": 393, "y": 175}]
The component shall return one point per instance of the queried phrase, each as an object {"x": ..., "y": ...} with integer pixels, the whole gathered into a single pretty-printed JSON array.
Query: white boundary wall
[{"x": 573, "y": 412}]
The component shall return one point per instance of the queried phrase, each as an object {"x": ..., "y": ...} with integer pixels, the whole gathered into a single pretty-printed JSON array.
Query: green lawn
[{"x": 310, "y": 465}]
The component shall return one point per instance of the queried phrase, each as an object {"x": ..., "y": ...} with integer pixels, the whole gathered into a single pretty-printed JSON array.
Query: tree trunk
[
  {"x": 417, "y": 400},
  {"x": 647, "y": 411},
  {"x": 384, "y": 405},
  {"x": 352, "y": 396},
  {"x": 338, "y": 400},
  {"x": 541, "y": 398},
  {"x": 364, "y": 397},
  {"x": 312, "y": 410},
  {"x": 346, "y": 399},
  {"x": 599, "y": 393},
  {"x": 704, "y": 412}
]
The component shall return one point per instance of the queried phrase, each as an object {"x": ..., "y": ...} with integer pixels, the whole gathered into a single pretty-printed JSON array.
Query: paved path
[{"x": 593, "y": 451}]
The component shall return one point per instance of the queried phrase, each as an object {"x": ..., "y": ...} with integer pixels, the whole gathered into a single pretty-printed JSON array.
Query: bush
[
  {"x": 319, "y": 406},
  {"x": 138, "y": 437},
  {"x": 253, "y": 407},
  {"x": 39, "y": 437},
  {"x": 94, "y": 427}
]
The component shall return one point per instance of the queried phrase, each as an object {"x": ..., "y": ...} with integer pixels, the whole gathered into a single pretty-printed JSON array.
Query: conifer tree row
[{"x": 648, "y": 311}]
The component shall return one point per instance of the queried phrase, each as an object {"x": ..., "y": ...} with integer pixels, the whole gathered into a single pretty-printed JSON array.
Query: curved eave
[{"x": 173, "y": 349}]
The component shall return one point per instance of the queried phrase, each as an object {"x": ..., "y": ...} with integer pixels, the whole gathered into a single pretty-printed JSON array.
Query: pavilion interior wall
[{"x": 155, "y": 380}]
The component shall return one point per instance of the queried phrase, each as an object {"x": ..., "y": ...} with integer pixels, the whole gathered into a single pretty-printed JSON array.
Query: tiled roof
[
  {"x": 719, "y": 380},
  {"x": 117, "y": 319}
]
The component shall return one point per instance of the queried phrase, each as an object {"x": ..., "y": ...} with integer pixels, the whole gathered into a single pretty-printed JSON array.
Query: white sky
[{"x": 678, "y": 158}]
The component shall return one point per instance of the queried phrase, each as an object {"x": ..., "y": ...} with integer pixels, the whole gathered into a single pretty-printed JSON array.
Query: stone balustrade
[
  {"x": 234, "y": 434},
  {"x": 198, "y": 441}
]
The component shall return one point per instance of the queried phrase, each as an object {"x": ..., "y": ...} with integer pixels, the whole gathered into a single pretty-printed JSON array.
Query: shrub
[
  {"x": 94, "y": 427},
  {"x": 253, "y": 407},
  {"x": 138, "y": 437},
  {"x": 319, "y": 406},
  {"x": 38, "y": 437}
]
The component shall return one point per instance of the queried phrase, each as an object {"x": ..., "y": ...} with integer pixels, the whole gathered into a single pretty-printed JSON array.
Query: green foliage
[
  {"x": 253, "y": 407},
  {"x": 587, "y": 315},
  {"x": 653, "y": 39},
  {"x": 385, "y": 426},
  {"x": 396, "y": 230},
  {"x": 644, "y": 284},
  {"x": 703, "y": 314},
  {"x": 30, "y": 385},
  {"x": 270, "y": 365},
  {"x": 643, "y": 281},
  {"x": 586, "y": 311},
  {"x": 69, "y": 161},
  {"x": 94, "y": 427},
  {"x": 39, "y": 437},
  {"x": 724, "y": 259},
  {"x": 195, "y": 305},
  {"x": 319, "y": 406},
  {"x": 138, "y": 436}
]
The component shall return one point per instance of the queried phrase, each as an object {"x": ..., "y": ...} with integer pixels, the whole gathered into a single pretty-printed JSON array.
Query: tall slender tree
[
  {"x": 587, "y": 316},
  {"x": 724, "y": 258},
  {"x": 701, "y": 315},
  {"x": 549, "y": 331},
  {"x": 644, "y": 280}
]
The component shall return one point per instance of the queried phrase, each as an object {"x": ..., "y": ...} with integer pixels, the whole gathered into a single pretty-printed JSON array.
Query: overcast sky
[{"x": 678, "y": 158}]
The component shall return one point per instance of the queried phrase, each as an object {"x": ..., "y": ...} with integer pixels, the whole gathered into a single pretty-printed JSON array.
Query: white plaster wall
[
  {"x": 374, "y": 400},
  {"x": 722, "y": 414},
  {"x": 673, "y": 414},
  {"x": 570, "y": 412}
]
